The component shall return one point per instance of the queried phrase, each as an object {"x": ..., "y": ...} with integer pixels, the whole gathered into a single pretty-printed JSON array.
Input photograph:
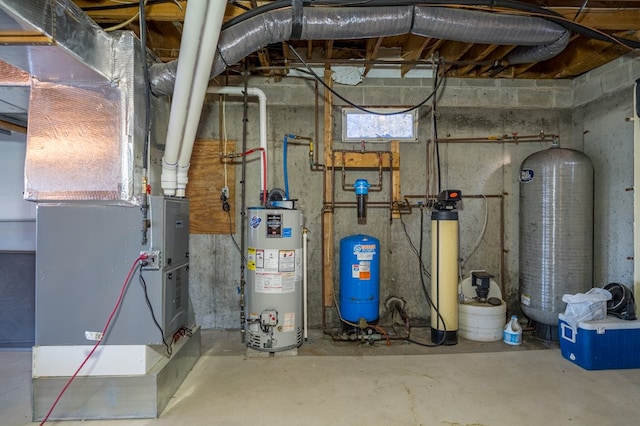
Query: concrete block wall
[{"x": 466, "y": 108}]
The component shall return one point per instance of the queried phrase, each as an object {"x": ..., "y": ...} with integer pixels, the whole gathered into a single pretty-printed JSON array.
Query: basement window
[{"x": 358, "y": 126}]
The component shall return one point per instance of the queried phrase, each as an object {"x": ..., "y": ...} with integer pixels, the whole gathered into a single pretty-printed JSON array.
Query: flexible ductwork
[{"x": 538, "y": 38}]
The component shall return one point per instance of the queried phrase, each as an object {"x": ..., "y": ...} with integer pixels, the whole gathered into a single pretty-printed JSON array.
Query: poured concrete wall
[
  {"x": 603, "y": 105},
  {"x": 467, "y": 108}
]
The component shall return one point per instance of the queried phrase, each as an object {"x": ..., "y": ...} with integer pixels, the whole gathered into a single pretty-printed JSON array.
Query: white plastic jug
[{"x": 512, "y": 333}]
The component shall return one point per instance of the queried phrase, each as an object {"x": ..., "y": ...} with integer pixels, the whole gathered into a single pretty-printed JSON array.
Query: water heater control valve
[{"x": 269, "y": 317}]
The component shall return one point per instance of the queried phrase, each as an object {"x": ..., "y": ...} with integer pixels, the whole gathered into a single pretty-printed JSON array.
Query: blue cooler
[{"x": 605, "y": 344}]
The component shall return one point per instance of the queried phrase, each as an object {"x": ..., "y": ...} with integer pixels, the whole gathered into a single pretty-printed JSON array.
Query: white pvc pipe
[
  {"x": 211, "y": 33},
  {"x": 262, "y": 102},
  {"x": 191, "y": 36},
  {"x": 305, "y": 233}
]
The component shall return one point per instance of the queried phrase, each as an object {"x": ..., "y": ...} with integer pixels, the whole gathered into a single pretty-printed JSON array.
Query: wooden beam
[
  {"x": 479, "y": 53},
  {"x": 24, "y": 38},
  {"x": 604, "y": 19},
  {"x": 434, "y": 47},
  {"x": 580, "y": 56},
  {"x": 452, "y": 51},
  {"x": 373, "y": 45},
  {"x": 309, "y": 49},
  {"x": 12, "y": 127},
  {"x": 365, "y": 160},
  {"x": 327, "y": 215},
  {"x": 494, "y": 57},
  {"x": 164, "y": 39},
  {"x": 396, "y": 193},
  {"x": 169, "y": 11},
  {"x": 412, "y": 51},
  {"x": 328, "y": 49}
]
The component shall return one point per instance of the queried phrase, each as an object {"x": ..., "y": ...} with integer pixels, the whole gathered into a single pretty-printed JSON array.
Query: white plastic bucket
[{"x": 480, "y": 321}]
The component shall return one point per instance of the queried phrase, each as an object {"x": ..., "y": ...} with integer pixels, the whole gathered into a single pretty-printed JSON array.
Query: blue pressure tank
[{"x": 359, "y": 278}]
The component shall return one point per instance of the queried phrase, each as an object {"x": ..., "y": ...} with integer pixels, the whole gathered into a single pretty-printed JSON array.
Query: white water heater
[{"x": 274, "y": 279}]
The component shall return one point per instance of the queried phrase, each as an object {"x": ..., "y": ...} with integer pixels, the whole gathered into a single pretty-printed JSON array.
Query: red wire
[
  {"x": 263, "y": 154},
  {"x": 104, "y": 331},
  {"x": 264, "y": 177}
]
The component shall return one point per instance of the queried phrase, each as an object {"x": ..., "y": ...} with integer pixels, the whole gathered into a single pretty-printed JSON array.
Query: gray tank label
[{"x": 526, "y": 175}]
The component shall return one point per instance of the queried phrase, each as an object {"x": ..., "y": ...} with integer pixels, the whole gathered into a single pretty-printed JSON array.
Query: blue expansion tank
[{"x": 359, "y": 278}]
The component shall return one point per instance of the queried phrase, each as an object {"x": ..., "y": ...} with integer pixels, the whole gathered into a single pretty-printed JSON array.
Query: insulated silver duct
[
  {"x": 538, "y": 38},
  {"x": 60, "y": 42},
  {"x": 86, "y": 110}
]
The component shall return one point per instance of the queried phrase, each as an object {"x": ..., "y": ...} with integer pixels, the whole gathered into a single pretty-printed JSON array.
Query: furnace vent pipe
[
  {"x": 191, "y": 37},
  {"x": 262, "y": 102},
  {"x": 539, "y": 39}
]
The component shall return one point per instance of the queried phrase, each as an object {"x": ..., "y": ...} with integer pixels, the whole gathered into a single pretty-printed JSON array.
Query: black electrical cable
[
  {"x": 244, "y": 259},
  {"x": 147, "y": 87},
  {"x": 413, "y": 247},
  {"x": 514, "y": 5},
  {"x": 153, "y": 316},
  {"x": 368, "y": 111},
  {"x": 122, "y": 5},
  {"x": 424, "y": 286},
  {"x": 434, "y": 123}
]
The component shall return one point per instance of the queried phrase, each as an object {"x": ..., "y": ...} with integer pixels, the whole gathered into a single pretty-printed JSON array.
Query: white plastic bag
[{"x": 589, "y": 306}]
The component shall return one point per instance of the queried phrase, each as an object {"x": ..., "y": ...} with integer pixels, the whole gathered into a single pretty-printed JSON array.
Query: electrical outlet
[
  {"x": 153, "y": 260},
  {"x": 225, "y": 192}
]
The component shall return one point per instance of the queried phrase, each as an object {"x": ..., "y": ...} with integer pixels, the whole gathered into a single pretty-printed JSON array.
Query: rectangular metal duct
[
  {"x": 54, "y": 40},
  {"x": 85, "y": 137}
]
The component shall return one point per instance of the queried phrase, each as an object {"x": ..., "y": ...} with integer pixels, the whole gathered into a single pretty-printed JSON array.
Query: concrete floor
[{"x": 471, "y": 383}]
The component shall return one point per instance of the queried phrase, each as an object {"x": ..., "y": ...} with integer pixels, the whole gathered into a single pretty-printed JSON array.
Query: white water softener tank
[
  {"x": 274, "y": 279},
  {"x": 556, "y": 231}
]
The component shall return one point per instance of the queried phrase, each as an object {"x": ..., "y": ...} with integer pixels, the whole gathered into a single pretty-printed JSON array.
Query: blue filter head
[{"x": 361, "y": 186}]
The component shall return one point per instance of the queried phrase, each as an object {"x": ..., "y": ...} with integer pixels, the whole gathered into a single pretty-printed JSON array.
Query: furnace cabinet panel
[{"x": 84, "y": 252}]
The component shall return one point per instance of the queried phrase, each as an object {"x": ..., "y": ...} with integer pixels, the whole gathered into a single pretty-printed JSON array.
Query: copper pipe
[{"x": 541, "y": 137}]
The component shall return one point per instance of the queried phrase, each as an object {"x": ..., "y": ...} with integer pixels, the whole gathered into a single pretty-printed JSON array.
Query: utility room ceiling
[{"x": 594, "y": 27}]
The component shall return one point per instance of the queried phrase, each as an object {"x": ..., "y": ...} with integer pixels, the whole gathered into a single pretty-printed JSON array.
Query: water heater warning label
[
  {"x": 275, "y": 283},
  {"x": 361, "y": 270},
  {"x": 287, "y": 261},
  {"x": 289, "y": 322}
]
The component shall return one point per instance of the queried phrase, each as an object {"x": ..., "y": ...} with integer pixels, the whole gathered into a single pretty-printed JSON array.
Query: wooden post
[
  {"x": 395, "y": 171},
  {"x": 327, "y": 214}
]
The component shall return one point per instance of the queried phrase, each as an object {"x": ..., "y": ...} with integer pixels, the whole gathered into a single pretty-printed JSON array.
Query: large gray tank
[
  {"x": 556, "y": 231},
  {"x": 274, "y": 279}
]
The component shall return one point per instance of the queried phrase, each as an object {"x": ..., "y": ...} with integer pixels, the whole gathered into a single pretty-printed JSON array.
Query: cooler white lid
[{"x": 610, "y": 323}]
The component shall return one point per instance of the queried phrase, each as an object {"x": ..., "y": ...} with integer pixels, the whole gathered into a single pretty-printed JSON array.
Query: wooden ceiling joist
[
  {"x": 169, "y": 11},
  {"x": 412, "y": 51},
  {"x": 478, "y": 54},
  {"x": 373, "y": 45}
]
